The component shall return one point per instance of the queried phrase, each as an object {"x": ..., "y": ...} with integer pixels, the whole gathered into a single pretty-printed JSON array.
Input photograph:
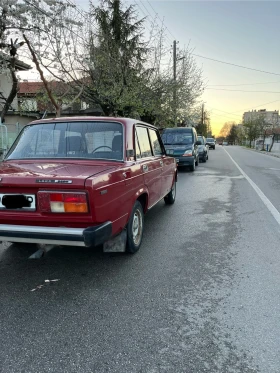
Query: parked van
[{"x": 181, "y": 143}]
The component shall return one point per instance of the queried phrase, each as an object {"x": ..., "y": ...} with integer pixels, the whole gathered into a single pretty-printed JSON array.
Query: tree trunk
[
  {"x": 272, "y": 142},
  {"x": 264, "y": 137},
  {"x": 13, "y": 92}
]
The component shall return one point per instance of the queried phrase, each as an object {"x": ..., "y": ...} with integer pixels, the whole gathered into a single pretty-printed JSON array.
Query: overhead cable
[{"x": 233, "y": 64}]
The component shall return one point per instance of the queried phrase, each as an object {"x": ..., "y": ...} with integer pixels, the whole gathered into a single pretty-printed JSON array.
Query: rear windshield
[
  {"x": 199, "y": 138},
  {"x": 89, "y": 140},
  {"x": 210, "y": 140},
  {"x": 177, "y": 137}
]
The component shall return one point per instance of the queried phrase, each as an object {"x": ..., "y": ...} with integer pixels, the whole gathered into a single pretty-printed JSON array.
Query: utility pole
[
  {"x": 174, "y": 81},
  {"x": 202, "y": 115}
]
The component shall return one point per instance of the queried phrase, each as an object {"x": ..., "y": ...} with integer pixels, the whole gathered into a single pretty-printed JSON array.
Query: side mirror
[{"x": 198, "y": 143}]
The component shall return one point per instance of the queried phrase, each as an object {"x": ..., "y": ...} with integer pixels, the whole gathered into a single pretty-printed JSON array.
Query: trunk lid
[{"x": 35, "y": 174}]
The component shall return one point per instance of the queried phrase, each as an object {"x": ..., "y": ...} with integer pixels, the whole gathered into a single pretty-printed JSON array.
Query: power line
[
  {"x": 164, "y": 24},
  {"x": 226, "y": 112},
  {"x": 240, "y": 90},
  {"x": 255, "y": 107},
  {"x": 233, "y": 64},
  {"x": 242, "y": 110},
  {"x": 236, "y": 85},
  {"x": 225, "y": 117},
  {"x": 149, "y": 14}
]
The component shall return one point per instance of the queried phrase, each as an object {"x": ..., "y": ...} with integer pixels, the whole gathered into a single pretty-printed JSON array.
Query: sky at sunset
[
  {"x": 235, "y": 32},
  {"x": 243, "y": 33}
]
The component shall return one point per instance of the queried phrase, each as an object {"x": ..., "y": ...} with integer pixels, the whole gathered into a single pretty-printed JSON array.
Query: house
[
  {"x": 10, "y": 128},
  {"x": 6, "y": 80},
  {"x": 33, "y": 100},
  {"x": 269, "y": 117}
]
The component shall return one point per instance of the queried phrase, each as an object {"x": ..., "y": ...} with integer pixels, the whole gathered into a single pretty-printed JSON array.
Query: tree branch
[{"x": 49, "y": 92}]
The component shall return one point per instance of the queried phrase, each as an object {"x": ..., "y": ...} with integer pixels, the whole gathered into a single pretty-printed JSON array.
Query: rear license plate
[{"x": 17, "y": 202}]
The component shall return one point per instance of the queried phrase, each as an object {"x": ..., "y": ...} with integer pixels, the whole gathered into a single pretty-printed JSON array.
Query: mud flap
[
  {"x": 43, "y": 249},
  {"x": 116, "y": 244}
]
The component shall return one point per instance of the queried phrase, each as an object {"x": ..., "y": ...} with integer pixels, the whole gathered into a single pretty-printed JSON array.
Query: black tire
[
  {"x": 214, "y": 148},
  {"x": 134, "y": 238},
  {"x": 197, "y": 161},
  {"x": 192, "y": 168},
  {"x": 169, "y": 199},
  {"x": 204, "y": 159}
]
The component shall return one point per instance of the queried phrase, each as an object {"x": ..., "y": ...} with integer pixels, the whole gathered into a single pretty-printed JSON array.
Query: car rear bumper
[
  {"x": 86, "y": 237},
  {"x": 202, "y": 155}
]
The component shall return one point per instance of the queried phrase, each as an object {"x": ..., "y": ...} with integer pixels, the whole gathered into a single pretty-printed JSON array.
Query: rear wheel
[
  {"x": 135, "y": 228},
  {"x": 169, "y": 199}
]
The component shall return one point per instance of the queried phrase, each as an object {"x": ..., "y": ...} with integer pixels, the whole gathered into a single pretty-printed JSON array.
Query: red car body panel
[{"x": 112, "y": 187}]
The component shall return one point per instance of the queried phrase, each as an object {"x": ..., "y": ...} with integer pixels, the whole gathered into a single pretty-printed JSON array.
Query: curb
[{"x": 262, "y": 152}]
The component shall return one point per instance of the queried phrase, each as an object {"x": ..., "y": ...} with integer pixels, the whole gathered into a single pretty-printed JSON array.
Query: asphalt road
[{"x": 201, "y": 295}]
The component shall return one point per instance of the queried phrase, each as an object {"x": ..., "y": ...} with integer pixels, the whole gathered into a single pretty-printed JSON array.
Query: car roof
[
  {"x": 125, "y": 121},
  {"x": 181, "y": 129}
]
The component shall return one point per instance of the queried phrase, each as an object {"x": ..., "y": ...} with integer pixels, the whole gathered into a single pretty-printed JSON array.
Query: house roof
[
  {"x": 33, "y": 88},
  {"x": 30, "y": 88},
  {"x": 20, "y": 65}
]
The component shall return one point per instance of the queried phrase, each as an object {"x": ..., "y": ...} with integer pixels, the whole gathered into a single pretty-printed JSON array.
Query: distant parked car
[
  {"x": 84, "y": 181},
  {"x": 181, "y": 143},
  {"x": 225, "y": 143},
  {"x": 211, "y": 143},
  {"x": 203, "y": 149}
]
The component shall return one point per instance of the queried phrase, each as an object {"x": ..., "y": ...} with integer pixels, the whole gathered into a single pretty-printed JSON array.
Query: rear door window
[
  {"x": 144, "y": 142},
  {"x": 155, "y": 143}
]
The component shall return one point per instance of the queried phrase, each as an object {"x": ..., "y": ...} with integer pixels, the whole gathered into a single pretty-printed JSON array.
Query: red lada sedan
[{"x": 83, "y": 181}]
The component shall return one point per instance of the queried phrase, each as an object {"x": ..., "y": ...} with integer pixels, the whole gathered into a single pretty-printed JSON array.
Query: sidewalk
[{"x": 273, "y": 153}]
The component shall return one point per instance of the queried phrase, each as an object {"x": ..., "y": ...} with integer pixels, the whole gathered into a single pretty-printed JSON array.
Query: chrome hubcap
[{"x": 137, "y": 227}]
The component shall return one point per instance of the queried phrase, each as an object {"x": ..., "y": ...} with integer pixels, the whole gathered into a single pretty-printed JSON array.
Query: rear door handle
[
  {"x": 161, "y": 163},
  {"x": 145, "y": 168}
]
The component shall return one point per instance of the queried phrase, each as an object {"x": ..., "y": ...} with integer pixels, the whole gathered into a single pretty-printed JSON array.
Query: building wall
[
  {"x": 5, "y": 89},
  {"x": 270, "y": 117}
]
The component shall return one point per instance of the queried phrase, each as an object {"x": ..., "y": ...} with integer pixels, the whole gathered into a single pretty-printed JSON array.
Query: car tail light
[{"x": 64, "y": 202}]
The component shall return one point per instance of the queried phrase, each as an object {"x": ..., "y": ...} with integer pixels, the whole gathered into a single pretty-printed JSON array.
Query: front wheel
[
  {"x": 192, "y": 167},
  {"x": 135, "y": 228},
  {"x": 169, "y": 199}
]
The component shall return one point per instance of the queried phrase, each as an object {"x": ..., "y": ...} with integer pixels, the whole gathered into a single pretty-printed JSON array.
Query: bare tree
[
  {"x": 48, "y": 31},
  {"x": 275, "y": 121},
  {"x": 225, "y": 130}
]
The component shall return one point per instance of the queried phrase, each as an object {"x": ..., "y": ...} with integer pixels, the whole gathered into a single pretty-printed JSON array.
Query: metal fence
[{"x": 8, "y": 134}]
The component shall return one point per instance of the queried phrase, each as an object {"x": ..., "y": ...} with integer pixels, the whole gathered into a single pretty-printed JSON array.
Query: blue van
[{"x": 181, "y": 143}]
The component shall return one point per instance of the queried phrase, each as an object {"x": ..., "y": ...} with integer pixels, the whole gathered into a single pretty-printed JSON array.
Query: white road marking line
[{"x": 265, "y": 200}]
